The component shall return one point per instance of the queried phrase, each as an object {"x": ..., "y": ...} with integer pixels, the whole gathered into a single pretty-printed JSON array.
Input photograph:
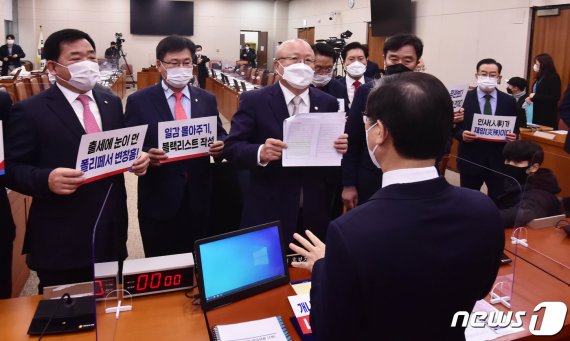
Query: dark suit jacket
[
  {"x": 408, "y": 254},
  {"x": 372, "y": 70},
  {"x": 16, "y": 49},
  {"x": 357, "y": 168},
  {"x": 250, "y": 56},
  {"x": 336, "y": 90},
  {"x": 521, "y": 117},
  {"x": 545, "y": 101},
  {"x": 565, "y": 114},
  {"x": 161, "y": 190},
  {"x": 44, "y": 133},
  {"x": 342, "y": 84},
  {"x": 274, "y": 191},
  {"x": 484, "y": 153},
  {"x": 7, "y": 228}
]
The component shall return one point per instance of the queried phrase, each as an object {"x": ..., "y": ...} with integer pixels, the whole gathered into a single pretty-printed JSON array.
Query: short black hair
[
  {"x": 523, "y": 150},
  {"x": 519, "y": 82},
  {"x": 10, "y": 36},
  {"x": 489, "y": 61},
  {"x": 174, "y": 43},
  {"x": 415, "y": 108},
  {"x": 353, "y": 46},
  {"x": 113, "y": 43},
  {"x": 52, "y": 45},
  {"x": 198, "y": 46},
  {"x": 396, "y": 42},
  {"x": 324, "y": 49}
]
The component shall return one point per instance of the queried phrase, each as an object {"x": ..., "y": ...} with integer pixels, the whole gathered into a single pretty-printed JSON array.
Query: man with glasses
[
  {"x": 174, "y": 198},
  {"x": 325, "y": 57},
  {"x": 479, "y": 161},
  {"x": 295, "y": 195}
]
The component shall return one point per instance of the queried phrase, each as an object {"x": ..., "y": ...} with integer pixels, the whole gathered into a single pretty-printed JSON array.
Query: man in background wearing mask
[
  {"x": 360, "y": 176},
  {"x": 517, "y": 88},
  {"x": 295, "y": 195},
  {"x": 10, "y": 55},
  {"x": 354, "y": 57},
  {"x": 42, "y": 138},
  {"x": 200, "y": 60},
  {"x": 249, "y": 54},
  {"x": 325, "y": 57},
  {"x": 487, "y": 156},
  {"x": 174, "y": 198}
]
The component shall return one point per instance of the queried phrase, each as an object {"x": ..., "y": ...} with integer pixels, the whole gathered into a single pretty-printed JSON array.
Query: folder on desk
[{"x": 270, "y": 328}]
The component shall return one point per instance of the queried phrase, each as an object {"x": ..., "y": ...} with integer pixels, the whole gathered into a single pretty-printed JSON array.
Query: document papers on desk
[
  {"x": 310, "y": 139},
  {"x": 487, "y": 333},
  {"x": 271, "y": 328}
]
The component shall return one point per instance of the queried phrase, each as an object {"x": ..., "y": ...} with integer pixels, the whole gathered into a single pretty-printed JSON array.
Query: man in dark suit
[
  {"x": 354, "y": 59},
  {"x": 408, "y": 250},
  {"x": 7, "y": 227},
  {"x": 43, "y": 136},
  {"x": 249, "y": 54},
  {"x": 201, "y": 61},
  {"x": 360, "y": 177},
  {"x": 482, "y": 161},
  {"x": 325, "y": 57},
  {"x": 294, "y": 195},
  {"x": 11, "y": 54},
  {"x": 517, "y": 88},
  {"x": 173, "y": 198}
]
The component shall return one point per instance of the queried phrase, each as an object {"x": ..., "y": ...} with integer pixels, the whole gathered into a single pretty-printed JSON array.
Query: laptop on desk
[{"x": 240, "y": 264}]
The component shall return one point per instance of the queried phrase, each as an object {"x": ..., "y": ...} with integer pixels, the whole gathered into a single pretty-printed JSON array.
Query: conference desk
[{"x": 227, "y": 97}]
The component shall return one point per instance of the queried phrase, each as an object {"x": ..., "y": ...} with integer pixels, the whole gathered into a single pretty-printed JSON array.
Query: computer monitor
[
  {"x": 243, "y": 87},
  {"x": 236, "y": 84},
  {"x": 213, "y": 73},
  {"x": 239, "y": 264}
]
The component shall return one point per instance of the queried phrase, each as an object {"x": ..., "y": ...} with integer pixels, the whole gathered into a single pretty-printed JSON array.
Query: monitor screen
[
  {"x": 162, "y": 17},
  {"x": 240, "y": 264}
]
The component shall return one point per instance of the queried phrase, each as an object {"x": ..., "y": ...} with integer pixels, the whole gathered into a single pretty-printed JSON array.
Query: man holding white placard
[
  {"x": 42, "y": 141},
  {"x": 174, "y": 197},
  {"x": 480, "y": 157}
]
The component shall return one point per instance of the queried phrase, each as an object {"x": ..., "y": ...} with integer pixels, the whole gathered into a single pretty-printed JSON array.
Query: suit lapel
[
  {"x": 277, "y": 104},
  {"x": 160, "y": 103},
  {"x": 104, "y": 111},
  {"x": 314, "y": 103},
  {"x": 195, "y": 103},
  {"x": 59, "y": 105}
]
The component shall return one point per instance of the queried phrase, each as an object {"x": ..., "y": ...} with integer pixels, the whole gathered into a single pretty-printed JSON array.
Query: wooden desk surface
[{"x": 548, "y": 249}]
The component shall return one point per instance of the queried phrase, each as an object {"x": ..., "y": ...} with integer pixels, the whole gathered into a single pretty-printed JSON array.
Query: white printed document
[{"x": 310, "y": 139}]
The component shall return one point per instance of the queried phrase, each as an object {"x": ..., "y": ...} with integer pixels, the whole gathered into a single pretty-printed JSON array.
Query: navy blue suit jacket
[
  {"x": 484, "y": 153},
  {"x": 357, "y": 168},
  {"x": 336, "y": 90},
  {"x": 161, "y": 190},
  {"x": 274, "y": 191},
  {"x": 44, "y": 133},
  {"x": 341, "y": 82},
  {"x": 7, "y": 228},
  {"x": 565, "y": 114},
  {"x": 4, "y": 53},
  {"x": 407, "y": 254}
]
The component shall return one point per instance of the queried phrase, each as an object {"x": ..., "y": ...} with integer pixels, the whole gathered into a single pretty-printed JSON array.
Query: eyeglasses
[
  {"x": 176, "y": 63},
  {"x": 295, "y": 60}
]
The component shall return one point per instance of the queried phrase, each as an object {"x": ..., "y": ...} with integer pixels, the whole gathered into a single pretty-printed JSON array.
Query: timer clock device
[
  {"x": 105, "y": 279},
  {"x": 146, "y": 276}
]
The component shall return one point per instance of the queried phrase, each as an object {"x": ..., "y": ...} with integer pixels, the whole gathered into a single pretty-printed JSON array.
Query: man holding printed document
[{"x": 295, "y": 195}]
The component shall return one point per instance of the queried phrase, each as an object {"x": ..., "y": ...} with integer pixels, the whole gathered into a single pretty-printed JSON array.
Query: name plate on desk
[{"x": 544, "y": 135}]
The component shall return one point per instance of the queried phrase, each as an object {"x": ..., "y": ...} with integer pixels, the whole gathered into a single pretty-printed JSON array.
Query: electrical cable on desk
[
  {"x": 562, "y": 223},
  {"x": 187, "y": 292},
  {"x": 68, "y": 302}
]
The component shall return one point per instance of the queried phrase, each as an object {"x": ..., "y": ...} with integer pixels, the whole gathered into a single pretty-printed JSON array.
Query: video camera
[
  {"x": 337, "y": 43},
  {"x": 119, "y": 40}
]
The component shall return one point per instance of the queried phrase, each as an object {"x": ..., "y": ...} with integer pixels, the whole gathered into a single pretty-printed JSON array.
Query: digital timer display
[
  {"x": 158, "y": 281},
  {"x": 103, "y": 286}
]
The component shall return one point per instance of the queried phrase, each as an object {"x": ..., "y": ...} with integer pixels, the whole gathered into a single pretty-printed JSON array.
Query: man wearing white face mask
[
  {"x": 43, "y": 136},
  {"x": 10, "y": 54},
  {"x": 174, "y": 198},
  {"x": 484, "y": 157},
  {"x": 354, "y": 62},
  {"x": 295, "y": 195},
  {"x": 325, "y": 57}
]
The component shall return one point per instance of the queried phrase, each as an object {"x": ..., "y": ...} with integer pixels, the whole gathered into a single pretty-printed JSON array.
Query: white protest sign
[
  {"x": 2, "y": 165},
  {"x": 493, "y": 128},
  {"x": 185, "y": 139},
  {"x": 458, "y": 93},
  {"x": 109, "y": 152},
  {"x": 301, "y": 305}
]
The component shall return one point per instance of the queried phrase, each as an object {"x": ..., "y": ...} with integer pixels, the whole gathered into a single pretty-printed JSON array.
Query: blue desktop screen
[{"x": 236, "y": 263}]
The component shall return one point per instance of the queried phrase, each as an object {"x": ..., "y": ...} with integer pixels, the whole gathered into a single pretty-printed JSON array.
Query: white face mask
[
  {"x": 10, "y": 42},
  {"x": 298, "y": 75},
  {"x": 178, "y": 77},
  {"x": 371, "y": 152},
  {"x": 84, "y": 74},
  {"x": 487, "y": 84},
  {"x": 536, "y": 68},
  {"x": 356, "y": 69},
  {"x": 321, "y": 80}
]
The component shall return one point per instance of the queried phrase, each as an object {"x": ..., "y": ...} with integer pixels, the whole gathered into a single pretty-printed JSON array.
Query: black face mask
[
  {"x": 509, "y": 91},
  {"x": 519, "y": 173},
  {"x": 396, "y": 68}
]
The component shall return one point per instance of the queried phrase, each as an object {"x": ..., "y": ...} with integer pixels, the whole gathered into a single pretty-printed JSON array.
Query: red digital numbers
[
  {"x": 157, "y": 281},
  {"x": 99, "y": 288}
]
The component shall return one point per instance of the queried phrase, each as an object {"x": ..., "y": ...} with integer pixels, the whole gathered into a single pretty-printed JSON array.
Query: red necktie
[
  {"x": 356, "y": 85},
  {"x": 89, "y": 121},
  {"x": 178, "y": 108}
]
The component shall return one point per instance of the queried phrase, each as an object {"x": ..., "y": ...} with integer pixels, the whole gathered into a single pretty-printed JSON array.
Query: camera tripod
[{"x": 122, "y": 54}]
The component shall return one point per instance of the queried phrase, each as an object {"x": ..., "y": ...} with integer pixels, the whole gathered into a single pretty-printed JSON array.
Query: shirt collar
[
  {"x": 289, "y": 95},
  {"x": 409, "y": 175},
  {"x": 481, "y": 93},
  {"x": 350, "y": 81},
  {"x": 72, "y": 96},
  {"x": 168, "y": 91}
]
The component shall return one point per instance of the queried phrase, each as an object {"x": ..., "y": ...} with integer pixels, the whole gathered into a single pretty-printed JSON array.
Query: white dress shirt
[
  {"x": 186, "y": 101},
  {"x": 78, "y": 107},
  {"x": 350, "y": 90},
  {"x": 409, "y": 175}
]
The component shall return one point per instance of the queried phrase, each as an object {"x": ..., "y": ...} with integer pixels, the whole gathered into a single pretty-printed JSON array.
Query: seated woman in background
[
  {"x": 545, "y": 92},
  {"x": 538, "y": 185}
]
